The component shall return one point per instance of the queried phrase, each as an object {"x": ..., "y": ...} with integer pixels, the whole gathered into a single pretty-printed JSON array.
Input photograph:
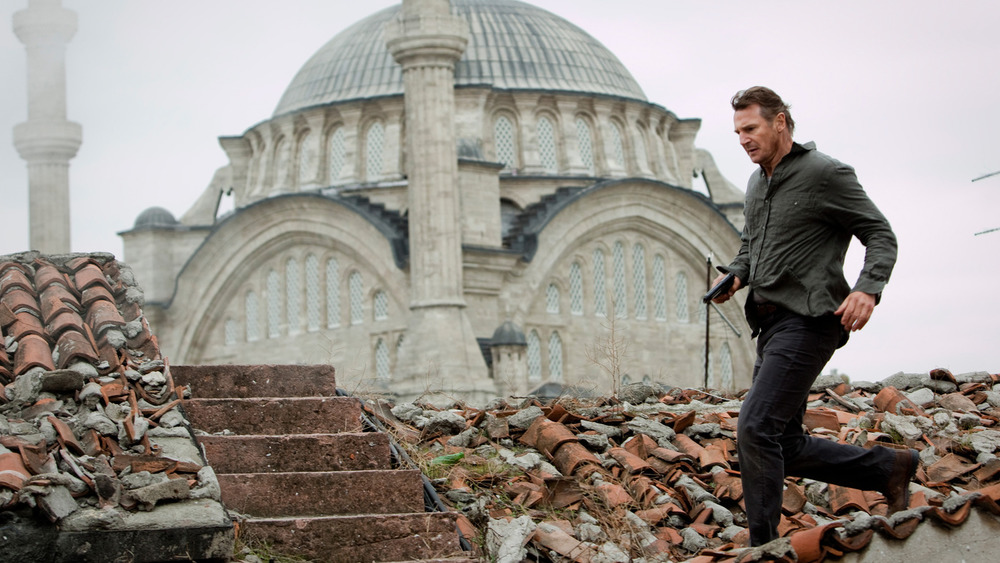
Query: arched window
[
  {"x": 332, "y": 293},
  {"x": 307, "y": 158},
  {"x": 293, "y": 295},
  {"x": 231, "y": 332},
  {"x": 253, "y": 322},
  {"x": 575, "y": 289},
  {"x": 702, "y": 313},
  {"x": 617, "y": 145},
  {"x": 641, "y": 154},
  {"x": 273, "y": 304},
  {"x": 338, "y": 154},
  {"x": 726, "y": 365},
  {"x": 282, "y": 164},
  {"x": 399, "y": 343},
  {"x": 534, "y": 357},
  {"x": 374, "y": 147},
  {"x": 681, "y": 289},
  {"x": 659, "y": 288},
  {"x": 312, "y": 293},
  {"x": 547, "y": 145},
  {"x": 357, "y": 292},
  {"x": 506, "y": 142},
  {"x": 618, "y": 263},
  {"x": 626, "y": 379},
  {"x": 600, "y": 297},
  {"x": 380, "y": 306},
  {"x": 585, "y": 140},
  {"x": 552, "y": 299},
  {"x": 555, "y": 357},
  {"x": 381, "y": 360},
  {"x": 639, "y": 280}
]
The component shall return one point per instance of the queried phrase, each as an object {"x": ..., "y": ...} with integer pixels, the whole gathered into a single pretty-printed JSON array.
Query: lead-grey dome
[
  {"x": 513, "y": 46},
  {"x": 155, "y": 217}
]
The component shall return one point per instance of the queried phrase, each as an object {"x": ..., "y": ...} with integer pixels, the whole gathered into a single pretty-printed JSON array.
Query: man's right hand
[{"x": 723, "y": 297}]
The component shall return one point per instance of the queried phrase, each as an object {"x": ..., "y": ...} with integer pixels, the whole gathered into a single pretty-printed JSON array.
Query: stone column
[
  {"x": 47, "y": 141},
  {"x": 440, "y": 350}
]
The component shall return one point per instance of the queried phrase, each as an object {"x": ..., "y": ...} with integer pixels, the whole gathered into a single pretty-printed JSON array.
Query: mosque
[{"x": 471, "y": 197}]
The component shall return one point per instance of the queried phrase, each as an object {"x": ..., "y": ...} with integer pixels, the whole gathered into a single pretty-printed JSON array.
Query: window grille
[
  {"x": 282, "y": 156},
  {"x": 381, "y": 306},
  {"x": 659, "y": 288},
  {"x": 273, "y": 304},
  {"x": 600, "y": 296},
  {"x": 381, "y": 360},
  {"x": 307, "y": 158},
  {"x": 626, "y": 379},
  {"x": 726, "y": 365},
  {"x": 575, "y": 289},
  {"x": 552, "y": 299},
  {"x": 618, "y": 263},
  {"x": 332, "y": 293},
  {"x": 312, "y": 293},
  {"x": 547, "y": 145},
  {"x": 702, "y": 313},
  {"x": 506, "y": 145},
  {"x": 586, "y": 144},
  {"x": 617, "y": 146},
  {"x": 253, "y": 323},
  {"x": 555, "y": 357},
  {"x": 374, "y": 146},
  {"x": 293, "y": 295},
  {"x": 639, "y": 280},
  {"x": 641, "y": 154},
  {"x": 534, "y": 357},
  {"x": 681, "y": 288},
  {"x": 357, "y": 306},
  {"x": 338, "y": 154},
  {"x": 232, "y": 332}
]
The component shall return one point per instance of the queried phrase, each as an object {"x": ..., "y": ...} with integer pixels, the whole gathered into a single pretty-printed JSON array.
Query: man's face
[{"x": 761, "y": 139}]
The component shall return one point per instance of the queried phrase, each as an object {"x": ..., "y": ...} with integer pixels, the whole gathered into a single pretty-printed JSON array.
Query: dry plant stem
[{"x": 609, "y": 353}]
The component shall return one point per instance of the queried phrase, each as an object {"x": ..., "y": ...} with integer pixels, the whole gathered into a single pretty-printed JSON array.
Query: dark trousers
[{"x": 791, "y": 352}]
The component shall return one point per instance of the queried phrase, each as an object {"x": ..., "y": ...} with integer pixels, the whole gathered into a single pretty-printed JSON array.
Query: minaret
[
  {"x": 47, "y": 141},
  {"x": 427, "y": 40}
]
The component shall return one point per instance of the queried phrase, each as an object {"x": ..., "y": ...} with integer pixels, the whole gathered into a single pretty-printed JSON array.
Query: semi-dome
[{"x": 513, "y": 46}]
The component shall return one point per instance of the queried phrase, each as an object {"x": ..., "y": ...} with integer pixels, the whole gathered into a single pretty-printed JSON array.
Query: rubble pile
[
  {"x": 89, "y": 414},
  {"x": 653, "y": 475}
]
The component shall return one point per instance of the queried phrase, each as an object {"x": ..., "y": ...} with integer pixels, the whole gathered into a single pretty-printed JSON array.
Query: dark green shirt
[{"x": 798, "y": 228}]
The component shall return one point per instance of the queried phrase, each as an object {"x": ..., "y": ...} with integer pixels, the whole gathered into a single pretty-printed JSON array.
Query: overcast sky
[{"x": 906, "y": 92}]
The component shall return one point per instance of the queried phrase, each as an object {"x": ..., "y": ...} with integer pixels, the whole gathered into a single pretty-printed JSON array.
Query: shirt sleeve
[{"x": 851, "y": 207}]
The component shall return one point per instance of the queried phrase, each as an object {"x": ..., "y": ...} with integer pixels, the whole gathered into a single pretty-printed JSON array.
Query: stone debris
[
  {"x": 89, "y": 415},
  {"x": 593, "y": 480}
]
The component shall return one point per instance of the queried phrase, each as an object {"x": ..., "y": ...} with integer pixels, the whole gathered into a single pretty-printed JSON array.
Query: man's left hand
[{"x": 855, "y": 311}]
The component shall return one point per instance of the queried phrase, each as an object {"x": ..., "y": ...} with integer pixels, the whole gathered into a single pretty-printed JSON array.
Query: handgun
[{"x": 718, "y": 289}]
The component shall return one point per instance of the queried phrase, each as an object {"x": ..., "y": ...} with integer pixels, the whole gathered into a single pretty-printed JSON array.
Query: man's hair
[{"x": 770, "y": 104}]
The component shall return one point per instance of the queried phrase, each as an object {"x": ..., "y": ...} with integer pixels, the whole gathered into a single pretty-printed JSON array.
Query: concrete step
[
  {"x": 218, "y": 381},
  {"x": 300, "y": 452},
  {"x": 273, "y": 416},
  {"x": 384, "y": 537},
  {"x": 323, "y": 493}
]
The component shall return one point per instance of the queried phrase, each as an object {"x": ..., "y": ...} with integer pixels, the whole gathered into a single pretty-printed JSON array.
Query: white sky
[{"x": 903, "y": 91}]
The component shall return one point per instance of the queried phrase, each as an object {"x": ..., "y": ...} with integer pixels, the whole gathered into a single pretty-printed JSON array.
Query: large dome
[{"x": 513, "y": 46}]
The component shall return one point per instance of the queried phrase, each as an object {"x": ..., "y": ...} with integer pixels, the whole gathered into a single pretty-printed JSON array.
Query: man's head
[{"x": 764, "y": 124}]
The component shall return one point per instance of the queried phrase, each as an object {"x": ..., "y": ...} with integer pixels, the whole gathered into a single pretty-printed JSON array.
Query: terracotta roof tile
[
  {"x": 74, "y": 346},
  {"x": 32, "y": 351}
]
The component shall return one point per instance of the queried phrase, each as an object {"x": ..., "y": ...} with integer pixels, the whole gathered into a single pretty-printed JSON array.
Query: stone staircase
[{"x": 296, "y": 466}]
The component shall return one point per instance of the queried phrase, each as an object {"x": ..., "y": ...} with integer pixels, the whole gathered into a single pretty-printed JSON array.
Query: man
[{"x": 802, "y": 209}]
